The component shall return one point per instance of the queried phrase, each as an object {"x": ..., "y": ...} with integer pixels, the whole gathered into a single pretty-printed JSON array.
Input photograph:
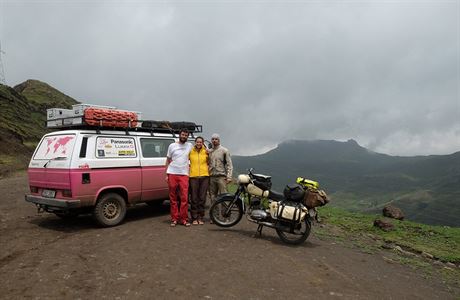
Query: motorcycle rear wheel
[
  {"x": 299, "y": 234},
  {"x": 218, "y": 209}
]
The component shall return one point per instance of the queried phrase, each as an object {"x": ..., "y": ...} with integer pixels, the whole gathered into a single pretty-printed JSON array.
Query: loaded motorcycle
[{"x": 290, "y": 213}]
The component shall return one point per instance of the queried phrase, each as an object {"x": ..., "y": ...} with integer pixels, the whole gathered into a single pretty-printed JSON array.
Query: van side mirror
[{"x": 209, "y": 144}]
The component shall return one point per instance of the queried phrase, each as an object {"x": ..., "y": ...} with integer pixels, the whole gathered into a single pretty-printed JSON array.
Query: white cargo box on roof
[
  {"x": 64, "y": 122},
  {"x": 58, "y": 113},
  {"x": 79, "y": 109}
]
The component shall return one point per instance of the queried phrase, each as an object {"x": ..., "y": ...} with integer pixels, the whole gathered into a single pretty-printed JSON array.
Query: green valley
[{"x": 427, "y": 188}]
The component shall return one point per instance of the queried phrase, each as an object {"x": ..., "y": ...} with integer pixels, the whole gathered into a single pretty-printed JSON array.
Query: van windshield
[{"x": 55, "y": 147}]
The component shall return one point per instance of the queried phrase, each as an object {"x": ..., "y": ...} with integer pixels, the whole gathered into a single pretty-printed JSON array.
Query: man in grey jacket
[{"x": 220, "y": 168}]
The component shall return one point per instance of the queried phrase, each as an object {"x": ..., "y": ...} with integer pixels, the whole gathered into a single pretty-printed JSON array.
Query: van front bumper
[{"x": 53, "y": 202}]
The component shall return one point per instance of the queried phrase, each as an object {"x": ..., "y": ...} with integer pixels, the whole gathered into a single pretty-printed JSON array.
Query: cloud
[{"x": 383, "y": 73}]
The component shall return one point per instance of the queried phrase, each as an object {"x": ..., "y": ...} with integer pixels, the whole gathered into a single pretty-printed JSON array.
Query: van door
[
  {"x": 153, "y": 159},
  {"x": 115, "y": 164}
]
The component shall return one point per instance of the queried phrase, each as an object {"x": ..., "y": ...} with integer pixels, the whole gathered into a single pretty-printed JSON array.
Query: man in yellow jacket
[{"x": 199, "y": 180}]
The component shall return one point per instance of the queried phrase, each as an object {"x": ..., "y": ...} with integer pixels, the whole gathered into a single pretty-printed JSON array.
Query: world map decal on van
[{"x": 55, "y": 146}]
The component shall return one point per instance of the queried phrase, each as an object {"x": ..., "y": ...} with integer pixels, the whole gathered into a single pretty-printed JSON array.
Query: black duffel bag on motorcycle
[
  {"x": 294, "y": 193},
  {"x": 263, "y": 182}
]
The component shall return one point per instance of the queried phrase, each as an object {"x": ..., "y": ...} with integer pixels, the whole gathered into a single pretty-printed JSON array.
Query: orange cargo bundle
[{"x": 110, "y": 117}]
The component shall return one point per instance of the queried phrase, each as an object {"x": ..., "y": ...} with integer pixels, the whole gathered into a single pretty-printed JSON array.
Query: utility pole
[{"x": 2, "y": 72}]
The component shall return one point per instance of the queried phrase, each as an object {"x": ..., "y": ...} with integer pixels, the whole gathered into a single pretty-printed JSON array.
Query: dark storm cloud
[{"x": 383, "y": 73}]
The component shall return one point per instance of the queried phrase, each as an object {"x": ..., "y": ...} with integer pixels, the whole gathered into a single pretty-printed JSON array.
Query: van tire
[{"x": 110, "y": 210}]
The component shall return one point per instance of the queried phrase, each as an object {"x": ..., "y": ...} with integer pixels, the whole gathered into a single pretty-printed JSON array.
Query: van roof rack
[
  {"x": 97, "y": 117},
  {"x": 71, "y": 123}
]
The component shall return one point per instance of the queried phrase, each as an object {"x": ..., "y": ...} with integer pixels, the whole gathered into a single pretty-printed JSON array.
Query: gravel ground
[{"x": 43, "y": 256}]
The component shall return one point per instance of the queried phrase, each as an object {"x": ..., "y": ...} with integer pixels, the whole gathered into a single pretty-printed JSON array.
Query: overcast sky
[{"x": 385, "y": 73}]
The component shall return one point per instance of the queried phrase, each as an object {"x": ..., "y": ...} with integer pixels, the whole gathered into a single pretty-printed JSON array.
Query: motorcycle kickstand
[{"x": 259, "y": 229}]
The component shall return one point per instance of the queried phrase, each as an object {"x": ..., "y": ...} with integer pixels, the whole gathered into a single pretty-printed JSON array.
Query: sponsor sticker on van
[{"x": 111, "y": 147}]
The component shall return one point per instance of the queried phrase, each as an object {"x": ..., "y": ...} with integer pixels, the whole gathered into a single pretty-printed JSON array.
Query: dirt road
[{"x": 42, "y": 256}]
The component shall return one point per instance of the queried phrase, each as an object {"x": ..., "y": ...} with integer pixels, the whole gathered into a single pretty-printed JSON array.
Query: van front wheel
[{"x": 110, "y": 210}]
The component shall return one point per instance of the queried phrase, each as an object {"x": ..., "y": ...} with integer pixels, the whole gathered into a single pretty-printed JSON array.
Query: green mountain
[
  {"x": 44, "y": 96},
  {"x": 427, "y": 188},
  {"x": 22, "y": 120}
]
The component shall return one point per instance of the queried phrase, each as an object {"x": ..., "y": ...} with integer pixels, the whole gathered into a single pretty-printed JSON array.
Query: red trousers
[{"x": 178, "y": 182}]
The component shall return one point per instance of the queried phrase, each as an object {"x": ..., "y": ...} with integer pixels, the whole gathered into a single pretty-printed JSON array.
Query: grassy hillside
[
  {"x": 22, "y": 120},
  {"x": 442, "y": 242},
  {"x": 427, "y": 188},
  {"x": 434, "y": 251}
]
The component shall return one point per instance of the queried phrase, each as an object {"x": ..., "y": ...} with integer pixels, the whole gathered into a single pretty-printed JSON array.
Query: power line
[{"x": 2, "y": 71}]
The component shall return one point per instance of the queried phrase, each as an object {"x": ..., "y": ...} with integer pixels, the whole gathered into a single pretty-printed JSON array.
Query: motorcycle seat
[
  {"x": 276, "y": 196},
  {"x": 261, "y": 177}
]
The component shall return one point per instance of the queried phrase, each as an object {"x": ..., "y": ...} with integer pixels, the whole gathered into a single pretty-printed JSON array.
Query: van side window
[
  {"x": 84, "y": 144},
  {"x": 152, "y": 147}
]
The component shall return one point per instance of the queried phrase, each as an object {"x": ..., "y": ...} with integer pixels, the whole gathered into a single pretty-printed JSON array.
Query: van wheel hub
[{"x": 111, "y": 210}]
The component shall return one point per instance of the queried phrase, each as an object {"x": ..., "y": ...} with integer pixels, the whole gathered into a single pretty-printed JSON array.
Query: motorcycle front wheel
[
  {"x": 219, "y": 215},
  {"x": 297, "y": 235}
]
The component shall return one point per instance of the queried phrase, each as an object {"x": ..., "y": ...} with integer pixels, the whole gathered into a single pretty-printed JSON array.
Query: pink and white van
[{"x": 100, "y": 171}]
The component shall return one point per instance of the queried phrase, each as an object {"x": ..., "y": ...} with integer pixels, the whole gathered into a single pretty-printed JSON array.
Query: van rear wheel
[{"x": 110, "y": 210}]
